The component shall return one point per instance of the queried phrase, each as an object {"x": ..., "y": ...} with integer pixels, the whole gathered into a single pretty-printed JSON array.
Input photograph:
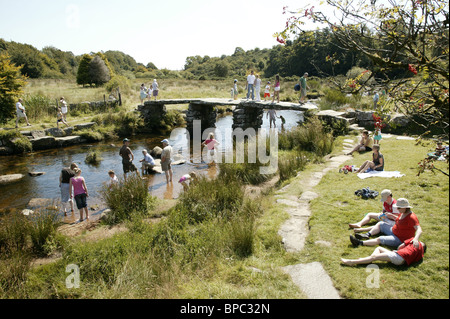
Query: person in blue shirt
[{"x": 147, "y": 162}]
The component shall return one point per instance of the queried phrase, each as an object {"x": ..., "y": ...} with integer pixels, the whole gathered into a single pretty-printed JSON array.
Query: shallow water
[{"x": 51, "y": 162}]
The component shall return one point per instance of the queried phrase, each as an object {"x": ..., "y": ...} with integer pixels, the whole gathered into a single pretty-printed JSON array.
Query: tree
[
  {"x": 98, "y": 71},
  {"x": 407, "y": 44},
  {"x": 11, "y": 84},
  {"x": 83, "y": 76},
  {"x": 221, "y": 69}
]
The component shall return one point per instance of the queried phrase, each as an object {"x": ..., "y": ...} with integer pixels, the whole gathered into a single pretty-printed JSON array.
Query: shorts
[
  {"x": 302, "y": 92},
  {"x": 277, "y": 89},
  {"x": 128, "y": 167},
  {"x": 166, "y": 166},
  {"x": 155, "y": 92},
  {"x": 266, "y": 94},
  {"x": 20, "y": 114},
  {"x": 80, "y": 199},
  {"x": 395, "y": 258},
  {"x": 65, "y": 192},
  {"x": 389, "y": 239}
]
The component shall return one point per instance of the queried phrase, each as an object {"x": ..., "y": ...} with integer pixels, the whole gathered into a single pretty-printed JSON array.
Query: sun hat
[
  {"x": 402, "y": 203},
  {"x": 385, "y": 193},
  {"x": 165, "y": 141}
]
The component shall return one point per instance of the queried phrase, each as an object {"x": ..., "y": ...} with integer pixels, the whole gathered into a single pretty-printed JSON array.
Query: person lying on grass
[{"x": 407, "y": 253}]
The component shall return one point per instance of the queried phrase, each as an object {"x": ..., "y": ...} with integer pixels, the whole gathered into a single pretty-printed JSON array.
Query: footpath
[{"x": 295, "y": 197}]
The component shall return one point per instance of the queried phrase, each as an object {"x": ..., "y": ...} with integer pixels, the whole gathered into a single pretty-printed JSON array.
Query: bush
[
  {"x": 289, "y": 163},
  {"x": 16, "y": 141},
  {"x": 333, "y": 99},
  {"x": 310, "y": 137},
  {"x": 14, "y": 230},
  {"x": 127, "y": 198},
  {"x": 208, "y": 199},
  {"x": 43, "y": 225}
]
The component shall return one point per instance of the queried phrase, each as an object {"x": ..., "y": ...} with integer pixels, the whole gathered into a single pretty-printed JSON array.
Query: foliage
[
  {"x": 127, "y": 198},
  {"x": 11, "y": 86},
  {"x": 98, "y": 71},
  {"x": 406, "y": 42},
  {"x": 83, "y": 76},
  {"x": 43, "y": 225},
  {"x": 16, "y": 141}
]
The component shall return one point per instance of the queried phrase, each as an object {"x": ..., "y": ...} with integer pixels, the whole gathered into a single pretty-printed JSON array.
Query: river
[{"x": 19, "y": 194}]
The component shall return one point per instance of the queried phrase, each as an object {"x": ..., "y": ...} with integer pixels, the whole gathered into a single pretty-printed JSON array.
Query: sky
[{"x": 162, "y": 32}]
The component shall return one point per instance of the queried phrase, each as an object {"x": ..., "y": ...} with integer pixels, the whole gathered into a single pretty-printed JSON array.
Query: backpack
[{"x": 366, "y": 193}]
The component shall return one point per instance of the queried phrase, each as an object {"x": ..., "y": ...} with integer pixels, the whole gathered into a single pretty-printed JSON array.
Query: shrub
[
  {"x": 289, "y": 163},
  {"x": 310, "y": 137},
  {"x": 14, "y": 230},
  {"x": 43, "y": 225},
  {"x": 211, "y": 198},
  {"x": 127, "y": 198},
  {"x": 333, "y": 99}
]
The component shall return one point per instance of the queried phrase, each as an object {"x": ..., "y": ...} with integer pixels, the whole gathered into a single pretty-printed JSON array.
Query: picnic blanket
[{"x": 387, "y": 174}]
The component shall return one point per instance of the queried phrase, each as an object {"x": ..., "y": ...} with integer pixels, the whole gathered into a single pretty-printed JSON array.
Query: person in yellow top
[{"x": 365, "y": 144}]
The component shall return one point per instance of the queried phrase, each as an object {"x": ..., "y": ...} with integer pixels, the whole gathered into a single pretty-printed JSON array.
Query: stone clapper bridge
[{"x": 246, "y": 113}]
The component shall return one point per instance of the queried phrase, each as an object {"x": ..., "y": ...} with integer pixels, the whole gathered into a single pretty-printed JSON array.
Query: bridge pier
[
  {"x": 247, "y": 116},
  {"x": 206, "y": 113},
  {"x": 153, "y": 113}
]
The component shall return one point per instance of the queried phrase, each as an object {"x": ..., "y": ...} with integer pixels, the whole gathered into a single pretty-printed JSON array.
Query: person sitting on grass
[
  {"x": 365, "y": 144},
  {"x": 377, "y": 163},
  {"x": 406, "y": 226},
  {"x": 388, "y": 215},
  {"x": 407, "y": 253}
]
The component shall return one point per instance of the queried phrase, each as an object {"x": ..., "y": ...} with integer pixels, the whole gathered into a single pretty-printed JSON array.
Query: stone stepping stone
[
  {"x": 12, "y": 178},
  {"x": 294, "y": 232},
  {"x": 308, "y": 196},
  {"x": 313, "y": 280},
  {"x": 288, "y": 202}
]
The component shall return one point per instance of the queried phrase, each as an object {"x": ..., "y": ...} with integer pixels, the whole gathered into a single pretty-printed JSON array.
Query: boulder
[
  {"x": 34, "y": 174},
  {"x": 38, "y": 134},
  {"x": 84, "y": 126},
  {"x": 5, "y": 150},
  {"x": 56, "y": 132},
  {"x": 156, "y": 152},
  {"x": 43, "y": 143},
  {"x": 8, "y": 179},
  {"x": 68, "y": 140}
]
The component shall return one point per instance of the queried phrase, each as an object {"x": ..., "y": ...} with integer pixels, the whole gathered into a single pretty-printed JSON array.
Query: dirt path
[{"x": 311, "y": 278}]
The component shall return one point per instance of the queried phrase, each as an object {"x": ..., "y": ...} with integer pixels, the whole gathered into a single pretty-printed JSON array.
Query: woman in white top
[{"x": 258, "y": 88}]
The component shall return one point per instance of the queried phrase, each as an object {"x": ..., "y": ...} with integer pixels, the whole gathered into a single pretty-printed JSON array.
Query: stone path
[{"x": 311, "y": 278}]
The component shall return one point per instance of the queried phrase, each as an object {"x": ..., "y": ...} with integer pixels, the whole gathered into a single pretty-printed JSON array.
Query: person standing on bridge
[
  {"x": 258, "y": 88},
  {"x": 303, "y": 88},
  {"x": 276, "y": 89},
  {"x": 251, "y": 85},
  {"x": 155, "y": 88}
]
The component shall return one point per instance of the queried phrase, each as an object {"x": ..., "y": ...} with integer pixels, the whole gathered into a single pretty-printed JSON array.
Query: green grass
[{"x": 337, "y": 206}]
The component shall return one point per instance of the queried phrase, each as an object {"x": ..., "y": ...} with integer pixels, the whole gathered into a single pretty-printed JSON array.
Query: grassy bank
[{"x": 337, "y": 206}]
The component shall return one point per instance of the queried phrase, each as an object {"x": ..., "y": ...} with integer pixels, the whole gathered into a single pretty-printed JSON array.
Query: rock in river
[{"x": 8, "y": 179}]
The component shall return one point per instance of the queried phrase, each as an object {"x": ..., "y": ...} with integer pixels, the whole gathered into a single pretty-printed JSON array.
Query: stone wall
[{"x": 247, "y": 116}]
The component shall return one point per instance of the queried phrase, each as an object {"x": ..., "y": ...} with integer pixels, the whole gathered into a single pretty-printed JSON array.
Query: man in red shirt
[
  {"x": 389, "y": 214},
  {"x": 406, "y": 226},
  {"x": 407, "y": 254}
]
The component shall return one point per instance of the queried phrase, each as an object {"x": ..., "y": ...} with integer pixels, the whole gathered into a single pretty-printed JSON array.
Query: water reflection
[{"x": 51, "y": 162}]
